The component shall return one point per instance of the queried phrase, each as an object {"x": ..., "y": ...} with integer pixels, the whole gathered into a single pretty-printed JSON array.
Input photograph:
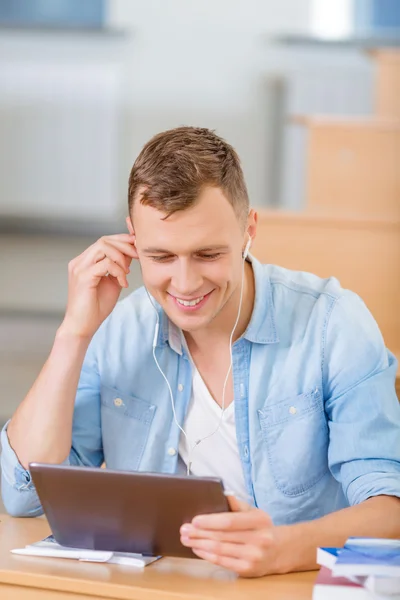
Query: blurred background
[{"x": 308, "y": 91}]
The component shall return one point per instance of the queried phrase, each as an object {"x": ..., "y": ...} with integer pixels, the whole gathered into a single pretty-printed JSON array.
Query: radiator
[{"x": 59, "y": 140}]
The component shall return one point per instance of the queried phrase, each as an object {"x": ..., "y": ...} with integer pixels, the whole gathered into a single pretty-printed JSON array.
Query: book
[
  {"x": 326, "y": 557},
  {"x": 378, "y": 585},
  {"x": 368, "y": 556},
  {"x": 49, "y": 547},
  {"x": 386, "y": 586},
  {"x": 327, "y": 587}
]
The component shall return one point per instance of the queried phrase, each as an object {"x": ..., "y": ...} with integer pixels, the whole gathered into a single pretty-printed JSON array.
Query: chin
[{"x": 190, "y": 324}]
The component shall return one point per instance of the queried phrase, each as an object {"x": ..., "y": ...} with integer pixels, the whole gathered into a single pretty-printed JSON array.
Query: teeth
[{"x": 189, "y": 303}]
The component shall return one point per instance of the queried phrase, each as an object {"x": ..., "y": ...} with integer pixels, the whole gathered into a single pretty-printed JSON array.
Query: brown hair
[{"x": 175, "y": 165}]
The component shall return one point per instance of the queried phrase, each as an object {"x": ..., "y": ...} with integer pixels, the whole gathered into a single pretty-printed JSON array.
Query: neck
[{"x": 220, "y": 329}]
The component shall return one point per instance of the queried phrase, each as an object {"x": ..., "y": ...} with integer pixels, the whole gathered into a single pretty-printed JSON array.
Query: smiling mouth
[{"x": 189, "y": 302}]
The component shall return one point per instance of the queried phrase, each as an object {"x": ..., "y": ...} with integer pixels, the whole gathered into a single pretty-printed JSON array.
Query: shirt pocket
[
  {"x": 126, "y": 421},
  {"x": 295, "y": 433}
]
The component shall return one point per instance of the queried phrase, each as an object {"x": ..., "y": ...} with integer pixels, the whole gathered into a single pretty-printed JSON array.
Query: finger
[
  {"x": 241, "y": 551},
  {"x": 238, "y": 565},
  {"x": 103, "y": 268},
  {"x": 237, "y": 505},
  {"x": 117, "y": 254},
  {"x": 107, "y": 246},
  {"x": 107, "y": 254},
  {"x": 261, "y": 537},
  {"x": 252, "y": 519},
  {"x": 127, "y": 249}
]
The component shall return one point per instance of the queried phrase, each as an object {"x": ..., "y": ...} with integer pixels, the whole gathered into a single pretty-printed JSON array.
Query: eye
[
  {"x": 210, "y": 256},
  {"x": 161, "y": 258}
]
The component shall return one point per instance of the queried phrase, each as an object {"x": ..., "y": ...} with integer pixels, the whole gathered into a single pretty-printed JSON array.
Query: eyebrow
[{"x": 152, "y": 250}]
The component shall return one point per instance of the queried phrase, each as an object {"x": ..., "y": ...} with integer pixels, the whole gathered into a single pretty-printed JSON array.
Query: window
[
  {"x": 343, "y": 18},
  {"x": 332, "y": 19},
  {"x": 53, "y": 13},
  {"x": 377, "y": 15}
]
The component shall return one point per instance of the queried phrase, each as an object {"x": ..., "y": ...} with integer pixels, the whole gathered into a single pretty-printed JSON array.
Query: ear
[
  {"x": 251, "y": 228},
  {"x": 129, "y": 225}
]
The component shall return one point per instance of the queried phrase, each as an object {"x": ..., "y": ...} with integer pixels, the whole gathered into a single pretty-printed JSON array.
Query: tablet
[{"x": 121, "y": 511}]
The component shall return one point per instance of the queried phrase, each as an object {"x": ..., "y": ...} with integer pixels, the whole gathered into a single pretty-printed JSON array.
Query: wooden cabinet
[
  {"x": 387, "y": 82},
  {"x": 353, "y": 166},
  {"x": 363, "y": 254}
]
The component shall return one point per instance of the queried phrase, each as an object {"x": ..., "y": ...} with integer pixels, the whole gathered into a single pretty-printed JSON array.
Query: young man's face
[{"x": 192, "y": 261}]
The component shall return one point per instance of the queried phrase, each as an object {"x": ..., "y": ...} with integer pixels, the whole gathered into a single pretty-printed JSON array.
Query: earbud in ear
[{"x": 246, "y": 250}]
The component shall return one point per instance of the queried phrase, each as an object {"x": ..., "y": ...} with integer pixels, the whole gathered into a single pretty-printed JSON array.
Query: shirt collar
[
  {"x": 168, "y": 332},
  {"x": 261, "y": 328}
]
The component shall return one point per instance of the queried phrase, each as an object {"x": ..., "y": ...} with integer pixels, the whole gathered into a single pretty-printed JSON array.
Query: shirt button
[
  {"x": 171, "y": 451},
  {"x": 180, "y": 387},
  {"x": 118, "y": 402},
  {"x": 293, "y": 410}
]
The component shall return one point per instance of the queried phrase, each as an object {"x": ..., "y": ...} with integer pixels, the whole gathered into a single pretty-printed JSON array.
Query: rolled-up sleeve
[
  {"x": 361, "y": 404},
  {"x": 17, "y": 489},
  {"x": 18, "y": 492}
]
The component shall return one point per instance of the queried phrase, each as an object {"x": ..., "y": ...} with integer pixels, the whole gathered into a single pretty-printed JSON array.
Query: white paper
[{"x": 48, "y": 547}]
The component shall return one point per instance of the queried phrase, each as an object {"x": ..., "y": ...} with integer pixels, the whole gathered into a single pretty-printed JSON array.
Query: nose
[{"x": 186, "y": 279}]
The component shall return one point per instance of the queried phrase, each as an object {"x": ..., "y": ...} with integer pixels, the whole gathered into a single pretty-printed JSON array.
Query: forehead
[{"x": 210, "y": 220}]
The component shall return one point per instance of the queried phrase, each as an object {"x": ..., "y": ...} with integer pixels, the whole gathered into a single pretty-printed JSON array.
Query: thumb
[{"x": 237, "y": 505}]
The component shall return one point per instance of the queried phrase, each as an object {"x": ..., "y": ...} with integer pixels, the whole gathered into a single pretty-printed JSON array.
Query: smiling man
[{"x": 282, "y": 376}]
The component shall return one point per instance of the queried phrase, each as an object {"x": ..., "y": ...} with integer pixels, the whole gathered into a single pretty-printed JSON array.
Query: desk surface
[{"x": 32, "y": 578}]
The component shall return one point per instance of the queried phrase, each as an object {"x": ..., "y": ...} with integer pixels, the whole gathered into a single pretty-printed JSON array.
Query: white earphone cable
[{"x": 192, "y": 447}]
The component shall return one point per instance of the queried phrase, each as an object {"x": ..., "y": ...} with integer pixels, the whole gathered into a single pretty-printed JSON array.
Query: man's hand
[
  {"x": 96, "y": 278},
  {"x": 246, "y": 541},
  {"x": 243, "y": 541}
]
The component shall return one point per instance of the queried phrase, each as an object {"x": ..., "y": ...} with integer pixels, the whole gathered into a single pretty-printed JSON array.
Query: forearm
[
  {"x": 376, "y": 517},
  {"x": 41, "y": 429}
]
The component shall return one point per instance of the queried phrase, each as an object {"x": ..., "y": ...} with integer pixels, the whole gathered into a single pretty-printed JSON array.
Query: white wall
[
  {"x": 206, "y": 63},
  {"x": 198, "y": 62},
  {"x": 213, "y": 63}
]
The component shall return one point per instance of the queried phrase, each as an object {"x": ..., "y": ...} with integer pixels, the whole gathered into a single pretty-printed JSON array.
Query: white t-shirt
[{"x": 218, "y": 455}]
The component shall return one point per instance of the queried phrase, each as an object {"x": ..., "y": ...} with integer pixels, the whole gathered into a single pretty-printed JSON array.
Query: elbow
[
  {"x": 20, "y": 509},
  {"x": 14, "y": 510},
  {"x": 20, "y": 502}
]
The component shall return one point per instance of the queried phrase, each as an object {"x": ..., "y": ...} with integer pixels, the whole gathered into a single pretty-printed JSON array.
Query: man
[{"x": 309, "y": 437}]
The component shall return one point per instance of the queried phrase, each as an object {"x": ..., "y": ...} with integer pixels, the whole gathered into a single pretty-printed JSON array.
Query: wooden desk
[{"x": 32, "y": 578}]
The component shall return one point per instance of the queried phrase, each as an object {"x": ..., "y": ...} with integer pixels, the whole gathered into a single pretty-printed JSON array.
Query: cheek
[
  {"x": 222, "y": 275},
  {"x": 155, "y": 277}
]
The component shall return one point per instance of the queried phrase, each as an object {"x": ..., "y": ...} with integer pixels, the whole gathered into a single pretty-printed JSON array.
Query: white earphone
[
  {"x": 156, "y": 330},
  {"x": 247, "y": 248}
]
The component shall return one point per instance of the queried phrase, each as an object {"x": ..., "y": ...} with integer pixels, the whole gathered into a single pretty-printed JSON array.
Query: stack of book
[{"x": 365, "y": 568}]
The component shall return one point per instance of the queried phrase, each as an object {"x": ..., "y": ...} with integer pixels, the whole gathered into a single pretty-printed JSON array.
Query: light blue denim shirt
[{"x": 317, "y": 417}]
